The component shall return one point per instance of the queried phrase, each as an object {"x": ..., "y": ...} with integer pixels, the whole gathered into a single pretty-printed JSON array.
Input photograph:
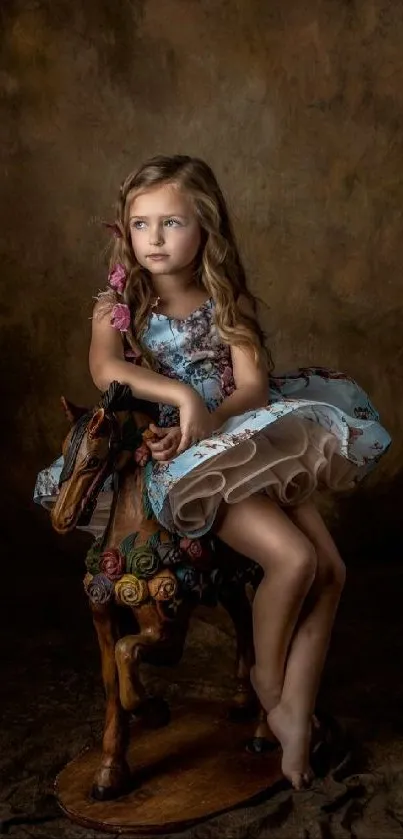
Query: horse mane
[{"x": 119, "y": 397}]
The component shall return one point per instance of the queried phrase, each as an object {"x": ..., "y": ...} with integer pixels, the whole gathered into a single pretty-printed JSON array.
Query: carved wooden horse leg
[
  {"x": 112, "y": 775},
  {"x": 129, "y": 652},
  {"x": 159, "y": 641}
]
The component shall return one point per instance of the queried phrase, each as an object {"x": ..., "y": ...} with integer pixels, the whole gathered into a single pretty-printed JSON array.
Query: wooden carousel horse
[{"x": 142, "y": 582}]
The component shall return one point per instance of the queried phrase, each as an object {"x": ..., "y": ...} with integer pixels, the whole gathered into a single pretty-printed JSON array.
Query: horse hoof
[
  {"x": 110, "y": 782},
  {"x": 99, "y": 793},
  {"x": 155, "y": 712}
]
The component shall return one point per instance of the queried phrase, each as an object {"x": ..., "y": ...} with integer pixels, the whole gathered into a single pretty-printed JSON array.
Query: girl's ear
[
  {"x": 98, "y": 425},
  {"x": 73, "y": 412}
]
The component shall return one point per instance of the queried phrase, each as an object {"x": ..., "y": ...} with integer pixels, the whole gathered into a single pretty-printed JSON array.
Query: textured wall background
[{"x": 297, "y": 106}]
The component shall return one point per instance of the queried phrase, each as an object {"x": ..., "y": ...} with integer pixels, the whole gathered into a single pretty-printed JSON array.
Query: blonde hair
[{"x": 218, "y": 267}]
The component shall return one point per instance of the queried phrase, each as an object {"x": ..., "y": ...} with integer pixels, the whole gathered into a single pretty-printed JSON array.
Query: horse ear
[
  {"x": 98, "y": 425},
  {"x": 73, "y": 412}
]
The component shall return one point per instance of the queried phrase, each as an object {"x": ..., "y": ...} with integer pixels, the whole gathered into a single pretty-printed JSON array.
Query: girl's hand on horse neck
[
  {"x": 166, "y": 446},
  {"x": 169, "y": 438}
]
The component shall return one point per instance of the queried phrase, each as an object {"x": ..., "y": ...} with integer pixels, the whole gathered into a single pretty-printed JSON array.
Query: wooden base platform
[{"x": 194, "y": 768}]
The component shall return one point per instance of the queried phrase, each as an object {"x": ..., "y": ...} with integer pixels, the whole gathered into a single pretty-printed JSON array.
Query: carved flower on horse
[
  {"x": 112, "y": 564},
  {"x": 190, "y": 579},
  {"x": 93, "y": 557},
  {"x": 163, "y": 586},
  {"x": 130, "y": 590},
  {"x": 195, "y": 551},
  {"x": 142, "y": 561},
  {"x": 170, "y": 553},
  {"x": 100, "y": 590}
]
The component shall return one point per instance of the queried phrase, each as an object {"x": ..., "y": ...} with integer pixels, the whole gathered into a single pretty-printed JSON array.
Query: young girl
[{"x": 238, "y": 453}]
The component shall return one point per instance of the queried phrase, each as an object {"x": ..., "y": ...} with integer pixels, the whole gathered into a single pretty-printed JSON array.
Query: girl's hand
[
  {"x": 165, "y": 446},
  {"x": 196, "y": 423}
]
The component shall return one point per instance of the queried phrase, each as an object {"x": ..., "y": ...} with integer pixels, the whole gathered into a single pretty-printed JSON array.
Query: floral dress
[{"x": 318, "y": 429}]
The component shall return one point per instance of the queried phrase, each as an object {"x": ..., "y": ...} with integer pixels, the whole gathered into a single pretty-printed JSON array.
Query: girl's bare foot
[
  {"x": 295, "y": 737},
  {"x": 269, "y": 696}
]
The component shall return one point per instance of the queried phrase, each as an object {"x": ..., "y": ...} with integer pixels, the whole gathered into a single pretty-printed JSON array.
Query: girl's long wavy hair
[{"x": 218, "y": 267}]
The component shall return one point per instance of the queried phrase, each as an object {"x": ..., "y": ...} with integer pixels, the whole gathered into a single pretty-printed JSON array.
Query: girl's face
[{"x": 164, "y": 230}]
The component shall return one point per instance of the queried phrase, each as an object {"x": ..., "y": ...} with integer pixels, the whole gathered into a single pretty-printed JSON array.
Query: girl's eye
[
  {"x": 172, "y": 222},
  {"x": 138, "y": 225}
]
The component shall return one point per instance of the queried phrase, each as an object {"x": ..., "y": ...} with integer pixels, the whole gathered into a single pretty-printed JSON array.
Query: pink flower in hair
[
  {"x": 117, "y": 278},
  {"x": 121, "y": 317}
]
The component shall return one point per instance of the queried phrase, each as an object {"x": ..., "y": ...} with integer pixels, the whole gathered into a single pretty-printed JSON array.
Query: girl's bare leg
[
  {"x": 290, "y": 721},
  {"x": 260, "y": 530}
]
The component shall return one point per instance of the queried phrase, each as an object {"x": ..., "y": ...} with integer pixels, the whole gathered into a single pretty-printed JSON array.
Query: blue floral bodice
[{"x": 190, "y": 350}]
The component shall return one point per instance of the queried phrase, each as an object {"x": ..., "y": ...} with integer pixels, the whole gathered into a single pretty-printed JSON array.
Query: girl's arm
[
  {"x": 251, "y": 381},
  {"x": 107, "y": 364},
  {"x": 252, "y": 388}
]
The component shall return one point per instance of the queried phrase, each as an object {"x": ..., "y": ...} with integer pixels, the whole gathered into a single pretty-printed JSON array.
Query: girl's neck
[
  {"x": 177, "y": 299},
  {"x": 169, "y": 287}
]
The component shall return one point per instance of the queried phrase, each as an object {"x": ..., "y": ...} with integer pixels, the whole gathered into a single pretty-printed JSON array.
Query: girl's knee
[
  {"x": 332, "y": 572},
  {"x": 300, "y": 562}
]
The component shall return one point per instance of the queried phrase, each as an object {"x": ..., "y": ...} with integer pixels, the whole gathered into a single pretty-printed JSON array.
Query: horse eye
[{"x": 92, "y": 463}]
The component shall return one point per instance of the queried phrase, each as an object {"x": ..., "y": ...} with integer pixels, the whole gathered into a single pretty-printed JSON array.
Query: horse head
[{"x": 99, "y": 443}]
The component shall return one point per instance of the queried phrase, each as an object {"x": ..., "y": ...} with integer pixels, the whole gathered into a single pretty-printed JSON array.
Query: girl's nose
[{"x": 156, "y": 235}]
